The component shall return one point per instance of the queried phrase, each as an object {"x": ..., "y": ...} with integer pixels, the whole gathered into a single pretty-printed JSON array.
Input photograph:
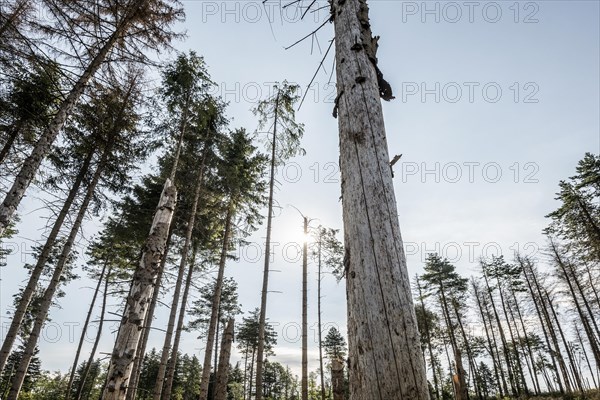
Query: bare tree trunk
[
  {"x": 251, "y": 374},
  {"x": 533, "y": 369},
  {"x": 170, "y": 376},
  {"x": 472, "y": 364},
  {"x": 576, "y": 376},
  {"x": 506, "y": 351},
  {"x": 319, "y": 325},
  {"x": 12, "y": 136},
  {"x": 461, "y": 389},
  {"x": 46, "y": 303},
  {"x": 512, "y": 339},
  {"x": 337, "y": 379},
  {"x": 223, "y": 369},
  {"x": 166, "y": 351},
  {"x": 96, "y": 341},
  {"x": 265, "y": 286},
  {"x": 139, "y": 297},
  {"x": 36, "y": 272},
  {"x": 246, "y": 369},
  {"x": 541, "y": 317},
  {"x": 148, "y": 320},
  {"x": 84, "y": 329},
  {"x": 384, "y": 346},
  {"x": 216, "y": 302},
  {"x": 44, "y": 143},
  {"x": 305, "y": 313},
  {"x": 495, "y": 362},
  {"x": 587, "y": 359},
  {"x": 436, "y": 388}
]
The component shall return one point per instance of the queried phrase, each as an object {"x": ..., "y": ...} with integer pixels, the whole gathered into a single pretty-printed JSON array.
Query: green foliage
[
  {"x": 229, "y": 306},
  {"x": 330, "y": 250},
  {"x": 288, "y": 132},
  {"x": 334, "y": 345},
  {"x": 577, "y": 220}
]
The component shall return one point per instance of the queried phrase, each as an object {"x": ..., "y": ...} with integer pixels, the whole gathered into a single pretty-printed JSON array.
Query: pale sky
[{"x": 496, "y": 102}]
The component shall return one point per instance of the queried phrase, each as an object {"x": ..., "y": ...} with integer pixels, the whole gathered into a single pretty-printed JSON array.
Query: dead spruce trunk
[
  {"x": 305, "y": 313},
  {"x": 223, "y": 369},
  {"x": 265, "y": 286},
  {"x": 319, "y": 322},
  {"x": 384, "y": 344},
  {"x": 36, "y": 272},
  {"x": 166, "y": 351},
  {"x": 144, "y": 280},
  {"x": 337, "y": 379},
  {"x": 141, "y": 351}
]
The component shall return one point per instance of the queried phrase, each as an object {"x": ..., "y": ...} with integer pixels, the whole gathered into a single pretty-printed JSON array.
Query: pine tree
[{"x": 242, "y": 184}]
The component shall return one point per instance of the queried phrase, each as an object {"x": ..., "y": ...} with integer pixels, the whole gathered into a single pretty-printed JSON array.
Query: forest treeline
[{"x": 99, "y": 132}]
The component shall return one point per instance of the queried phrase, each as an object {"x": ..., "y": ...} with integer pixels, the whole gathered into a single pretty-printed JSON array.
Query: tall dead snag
[
  {"x": 337, "y": 378},
  {"x": 223, "y": 369},
  {"x": 385, "y": 352},
  {"x": 139, "y": 297},
  {"x": 305, "y": 313}
]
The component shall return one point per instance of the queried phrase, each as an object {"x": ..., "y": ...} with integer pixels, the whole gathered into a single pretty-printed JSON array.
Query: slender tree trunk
[
  {"x": 97, "y": 340},
  {"x": 265, "y": 286},
  {"x": 170, "y": 376},
  {"x": 10, "y": 140},
  {"x": 533, "y": 371},
  {"x": 587, "y": 359},
  {"x": 461, "y": 389},
  {"x": 541, "y": 317},
  {"x": 166, "y": 351},
  {"x": 505, "y": 349},
  {"x": 428, "y": 338},
  {"x": 337, "y": 379},
  {"x": 36, "y": 272},
  {"x": 384, "y": 345},
  {"x": 46, "y": 303},
  {"x": 246, "y": 353},
  {"x": 565, "y": 343},
  {"x": 320, "y": 326},
  {"x": 305, "y": 313},
  {"x": 251, "y": 374},
  {"x": 517, "y": 360},
  {"x": 495, "y": 362},
  {"x": 552, "y": 333},
  {"x": 44, "y": 143},
  {"x": 223, "y": 369},
  {"x": 216, "y": 302},
  {"x": 84, "y": 329},
  {"x": 472, "y": 364},
  {"x": 144, "y": 279}
]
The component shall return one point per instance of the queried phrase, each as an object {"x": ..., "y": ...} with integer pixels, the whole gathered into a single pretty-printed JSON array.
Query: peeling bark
[
  {"x": 144, "y": 280},
  {"x": 385, "y": 355}
]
